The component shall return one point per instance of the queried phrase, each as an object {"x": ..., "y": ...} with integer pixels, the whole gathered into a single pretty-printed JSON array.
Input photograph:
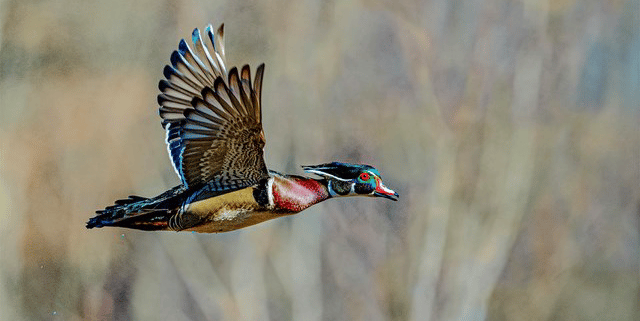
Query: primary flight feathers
[{"x": 212, "y": 117}]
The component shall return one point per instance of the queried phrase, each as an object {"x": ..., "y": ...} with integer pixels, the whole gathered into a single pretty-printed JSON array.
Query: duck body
[
  {"x": 213, "y": 122},
  {"x": 279, "y": 195},
  {"x": 208, "y": 211}
]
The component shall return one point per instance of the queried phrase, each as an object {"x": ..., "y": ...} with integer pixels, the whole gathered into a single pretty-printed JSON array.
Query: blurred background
[{"x": 508, "y": 127}]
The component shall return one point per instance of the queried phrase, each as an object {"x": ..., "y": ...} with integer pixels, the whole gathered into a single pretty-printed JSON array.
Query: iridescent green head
[{"x": 352, "y": 180}]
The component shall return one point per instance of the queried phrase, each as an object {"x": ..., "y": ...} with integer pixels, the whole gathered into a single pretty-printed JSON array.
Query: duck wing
[{"x": 212, "y": 117}]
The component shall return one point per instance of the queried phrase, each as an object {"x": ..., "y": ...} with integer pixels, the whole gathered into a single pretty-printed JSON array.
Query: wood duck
[{"x": 213, "y": 122}]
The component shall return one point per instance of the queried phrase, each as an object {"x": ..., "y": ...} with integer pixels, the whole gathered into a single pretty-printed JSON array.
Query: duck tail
[{"x": 151, "y": 214}]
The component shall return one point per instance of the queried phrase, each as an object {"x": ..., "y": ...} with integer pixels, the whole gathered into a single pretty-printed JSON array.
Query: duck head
[{"x": 345, "y": 179}]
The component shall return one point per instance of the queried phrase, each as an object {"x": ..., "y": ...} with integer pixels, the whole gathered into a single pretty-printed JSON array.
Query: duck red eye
[{"x": 364, "y": 176}]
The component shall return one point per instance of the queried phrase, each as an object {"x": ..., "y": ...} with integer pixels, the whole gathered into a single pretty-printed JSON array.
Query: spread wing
[{"x": 212, "y": 117}]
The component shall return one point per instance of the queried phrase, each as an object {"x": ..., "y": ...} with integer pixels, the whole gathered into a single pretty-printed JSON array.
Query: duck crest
[{"x": 293, "y": 193}]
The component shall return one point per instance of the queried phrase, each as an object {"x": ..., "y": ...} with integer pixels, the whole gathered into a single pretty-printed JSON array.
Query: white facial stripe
[{"x": 319, "y": 173}]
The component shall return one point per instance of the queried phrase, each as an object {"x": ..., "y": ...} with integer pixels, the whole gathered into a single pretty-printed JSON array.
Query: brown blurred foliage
[{"x": 509, "y": 128}]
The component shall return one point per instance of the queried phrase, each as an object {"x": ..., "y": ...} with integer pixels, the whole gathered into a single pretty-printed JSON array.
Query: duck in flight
[{"x": 213, "y": 122}]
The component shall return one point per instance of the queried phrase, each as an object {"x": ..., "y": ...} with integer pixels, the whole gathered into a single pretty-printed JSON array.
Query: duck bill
[
  {"x": 383, "y": 191},
  {"x": 393, "y": 197}
]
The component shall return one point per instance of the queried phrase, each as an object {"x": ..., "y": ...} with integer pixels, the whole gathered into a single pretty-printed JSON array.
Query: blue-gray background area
[{"x": 509, "y": 129}]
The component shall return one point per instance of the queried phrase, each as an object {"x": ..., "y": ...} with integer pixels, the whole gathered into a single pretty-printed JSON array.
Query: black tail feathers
[{"x": 140, "y": 212}]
